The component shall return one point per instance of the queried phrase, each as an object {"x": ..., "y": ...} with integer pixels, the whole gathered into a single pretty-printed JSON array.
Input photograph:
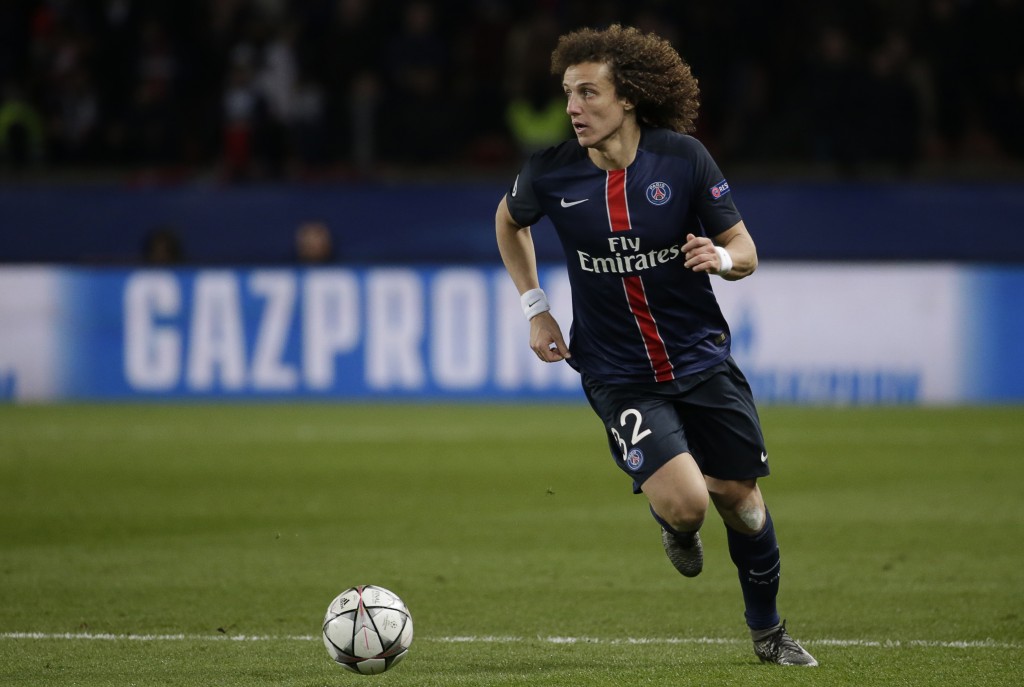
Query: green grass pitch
[{"x": 200, "y": 545}]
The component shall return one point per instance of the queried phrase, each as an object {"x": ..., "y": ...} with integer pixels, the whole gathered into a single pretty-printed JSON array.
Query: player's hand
[
  {"x": 546, "y": 339},
  {"x": 700, "y": 254}
]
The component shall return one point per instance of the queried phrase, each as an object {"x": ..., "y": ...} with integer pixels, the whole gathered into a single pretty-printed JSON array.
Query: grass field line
[{"x": 511, "y": 639}]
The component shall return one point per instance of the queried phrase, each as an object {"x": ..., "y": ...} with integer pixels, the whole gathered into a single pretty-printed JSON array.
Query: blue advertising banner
[
  {"x": 836, "y": 334},
  {"x": 353, "y": 333},
  {"x": 995, "y": 319}
]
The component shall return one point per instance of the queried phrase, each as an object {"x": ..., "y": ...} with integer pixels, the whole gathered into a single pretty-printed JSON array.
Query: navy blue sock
[{"x": 757, "y": 560}]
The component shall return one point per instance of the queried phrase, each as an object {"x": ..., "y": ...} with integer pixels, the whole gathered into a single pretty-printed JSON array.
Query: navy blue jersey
[{"x": 639, "y": 315}]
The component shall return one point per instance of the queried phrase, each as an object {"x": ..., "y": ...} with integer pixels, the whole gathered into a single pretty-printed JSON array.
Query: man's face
[{"x": 596, "y": 111}]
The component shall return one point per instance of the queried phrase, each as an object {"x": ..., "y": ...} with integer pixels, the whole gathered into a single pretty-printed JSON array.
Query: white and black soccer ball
[{"x": 367, "y": 629}]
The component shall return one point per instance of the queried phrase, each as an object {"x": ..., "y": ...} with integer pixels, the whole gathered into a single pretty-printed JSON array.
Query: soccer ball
[{"x": 367, "y": 629}]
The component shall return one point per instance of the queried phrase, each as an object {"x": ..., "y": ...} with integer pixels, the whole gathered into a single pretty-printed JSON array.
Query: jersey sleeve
[
  {"x": 521, "y": 198},
  {"x": 712, "y": 199}
]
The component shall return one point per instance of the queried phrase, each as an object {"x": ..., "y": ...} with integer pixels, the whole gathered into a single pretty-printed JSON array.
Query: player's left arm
[{"x": 706, "y": 255}]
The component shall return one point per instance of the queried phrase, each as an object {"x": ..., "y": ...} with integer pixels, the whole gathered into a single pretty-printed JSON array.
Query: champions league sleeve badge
[{"x": 720, "y": 189}]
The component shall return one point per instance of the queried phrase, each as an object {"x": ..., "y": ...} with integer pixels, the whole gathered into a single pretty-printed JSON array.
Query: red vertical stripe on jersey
[
  {"x": 656, "y": 351},
  {"x": 615, "y": 196},
  {"x": 618, "y": 220}
]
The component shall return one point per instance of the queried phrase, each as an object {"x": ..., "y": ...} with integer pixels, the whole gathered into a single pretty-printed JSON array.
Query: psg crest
[
  {"x": 658, "y": 193},
  {"x": 634, "y": 459}
]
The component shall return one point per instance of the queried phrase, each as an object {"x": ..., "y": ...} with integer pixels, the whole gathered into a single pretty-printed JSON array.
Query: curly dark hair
[{"x": 645, "y": 68}]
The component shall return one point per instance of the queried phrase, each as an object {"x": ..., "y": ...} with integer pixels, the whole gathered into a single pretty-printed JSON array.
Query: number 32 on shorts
[{"x": 630, "y": 417}]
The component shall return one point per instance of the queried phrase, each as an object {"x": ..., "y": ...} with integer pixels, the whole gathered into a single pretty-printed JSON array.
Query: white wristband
[
  {"x": 534, "y": 302},
  {"x": 725, "y": 260}
]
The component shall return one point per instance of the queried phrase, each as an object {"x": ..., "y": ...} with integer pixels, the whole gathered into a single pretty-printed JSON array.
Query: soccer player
[{"x": 646, "y": 219}]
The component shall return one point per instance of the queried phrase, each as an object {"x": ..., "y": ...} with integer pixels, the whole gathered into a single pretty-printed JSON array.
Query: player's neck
[{"x": 618, "y": 150}]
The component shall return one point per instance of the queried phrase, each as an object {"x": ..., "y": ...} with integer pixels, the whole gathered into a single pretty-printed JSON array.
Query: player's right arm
[{"x": 515, "y": 244}]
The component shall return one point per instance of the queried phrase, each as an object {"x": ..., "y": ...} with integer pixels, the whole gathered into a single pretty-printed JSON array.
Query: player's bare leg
[{"x": 679, "y": 502}]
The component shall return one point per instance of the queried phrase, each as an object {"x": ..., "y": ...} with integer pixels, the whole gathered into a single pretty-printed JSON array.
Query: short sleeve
[
  {"x": 521, "y": 199},
  {"x": 713, "y": 200}
]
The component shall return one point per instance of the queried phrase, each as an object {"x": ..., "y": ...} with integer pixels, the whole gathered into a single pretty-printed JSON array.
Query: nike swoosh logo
[
  {"x": 530, "y": 305},
  {"x": 764, "y": 457},
  {"x": 515, "y": 187},
  {"x": 764, "y": 572},
  {"x": 567, "y": 204}
]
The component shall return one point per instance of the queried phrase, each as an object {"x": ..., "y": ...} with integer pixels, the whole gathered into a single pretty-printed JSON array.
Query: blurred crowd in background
[{"x": 246, "y": 90}]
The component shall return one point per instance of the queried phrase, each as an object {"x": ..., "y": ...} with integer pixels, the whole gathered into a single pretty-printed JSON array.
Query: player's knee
[
  {"x": 743, "y": 515},
  {"x": 684, "y": 516},
  {"x": 752, "y": 515},
  {"x": 739, "y": 503}
]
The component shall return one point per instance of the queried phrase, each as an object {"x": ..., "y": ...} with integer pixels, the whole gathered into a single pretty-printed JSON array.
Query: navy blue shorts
[{"x": 710, "y": 415}]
